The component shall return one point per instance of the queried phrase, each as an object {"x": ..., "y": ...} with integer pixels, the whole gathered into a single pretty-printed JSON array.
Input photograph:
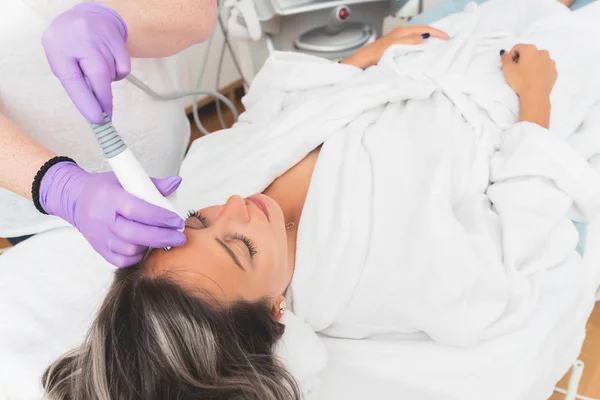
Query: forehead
[{"x": 199, "y": 264}]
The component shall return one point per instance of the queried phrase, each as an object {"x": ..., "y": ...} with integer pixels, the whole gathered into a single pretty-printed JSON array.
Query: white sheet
[{"x": 524, "y": 365}]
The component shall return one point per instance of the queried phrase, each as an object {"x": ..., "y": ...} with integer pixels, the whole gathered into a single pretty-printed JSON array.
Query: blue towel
[{"x": 580, "y": 3}]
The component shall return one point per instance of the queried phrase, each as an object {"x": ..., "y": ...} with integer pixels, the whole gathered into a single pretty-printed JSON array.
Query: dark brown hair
[{"x": 152, "y": 340}]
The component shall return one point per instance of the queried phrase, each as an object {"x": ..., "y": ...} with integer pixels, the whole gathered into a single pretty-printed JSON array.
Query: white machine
[{"x": 329, "y": 29}]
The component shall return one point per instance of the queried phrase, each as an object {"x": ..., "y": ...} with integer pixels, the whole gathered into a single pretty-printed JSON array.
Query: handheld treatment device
[{"x": 127, "y": 168}]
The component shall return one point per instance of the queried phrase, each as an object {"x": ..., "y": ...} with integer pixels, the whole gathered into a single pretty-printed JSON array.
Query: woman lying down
[{"x": 416, "y": 195}]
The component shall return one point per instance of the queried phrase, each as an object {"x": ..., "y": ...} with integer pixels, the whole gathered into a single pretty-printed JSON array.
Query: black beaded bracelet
[{"x": 37, "y": 181}]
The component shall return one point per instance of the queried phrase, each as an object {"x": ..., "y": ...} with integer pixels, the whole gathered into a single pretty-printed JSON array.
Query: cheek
[
  {"x": 280, "y": 238},
  {"x": 276, "y": 259},
  {"x": 282, "y": 258}
]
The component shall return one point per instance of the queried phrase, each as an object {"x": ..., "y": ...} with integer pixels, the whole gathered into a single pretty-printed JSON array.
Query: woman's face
[{"x": 236, "y": 251}]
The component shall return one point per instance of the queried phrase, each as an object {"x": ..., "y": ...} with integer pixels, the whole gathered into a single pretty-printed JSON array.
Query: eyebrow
[
  {"x": 231, "y": 254},
  {"x": 224, "y": 246}
]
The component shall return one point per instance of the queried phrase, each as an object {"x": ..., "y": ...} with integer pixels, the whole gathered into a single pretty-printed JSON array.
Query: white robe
[{"x": 430, "y": 208}]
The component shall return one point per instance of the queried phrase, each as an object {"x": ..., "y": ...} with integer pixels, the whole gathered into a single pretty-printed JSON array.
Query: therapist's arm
[
  {"x": 90, "y": 45},
  {"x": 160, "y": 28},
  {"x": 531, "y": 73},
  {"x": 20, "y": 158}
]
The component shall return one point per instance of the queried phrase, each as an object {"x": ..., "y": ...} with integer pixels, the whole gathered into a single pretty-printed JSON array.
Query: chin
[{"x": 276, "y": 213}]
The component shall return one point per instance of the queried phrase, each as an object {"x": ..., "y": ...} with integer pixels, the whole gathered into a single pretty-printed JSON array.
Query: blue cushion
[
  {"x": 441, "y": 9},
  {"x": 444, "y": 8},
  {"x": 580, "y": 3},
  {"x": 582, "y": 229}
]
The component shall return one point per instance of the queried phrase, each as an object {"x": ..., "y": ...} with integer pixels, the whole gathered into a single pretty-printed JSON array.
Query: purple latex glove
[
  {"x": 88, "y": 41},
  {"x": 118, "y": 225}
]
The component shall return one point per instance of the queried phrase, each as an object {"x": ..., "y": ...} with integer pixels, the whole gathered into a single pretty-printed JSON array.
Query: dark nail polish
[
  {"x": 426, "y": 35},
  {"x": 502, "y": 52}
]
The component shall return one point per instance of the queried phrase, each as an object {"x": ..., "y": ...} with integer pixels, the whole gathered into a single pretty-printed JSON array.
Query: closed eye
[
  {"x": 198, "y": 215},
  {"x": 251, "y": 247},
  {"x": 205, "y": 224}
]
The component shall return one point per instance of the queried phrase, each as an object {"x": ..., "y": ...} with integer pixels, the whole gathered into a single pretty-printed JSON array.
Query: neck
[
  {"x": 289, "y": 191},
  {"x": 291, "y": 188},
  {"x": 291, "y": 205}
]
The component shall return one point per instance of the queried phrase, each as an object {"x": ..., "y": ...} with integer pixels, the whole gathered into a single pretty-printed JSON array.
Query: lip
[{"x": 260, "y": 205}]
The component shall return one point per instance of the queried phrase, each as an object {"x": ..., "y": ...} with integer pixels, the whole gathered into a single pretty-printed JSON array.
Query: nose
[{"x": 235, "y": 209}]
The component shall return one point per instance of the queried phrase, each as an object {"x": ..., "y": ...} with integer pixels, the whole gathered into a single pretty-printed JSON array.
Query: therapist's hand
[
  {"x": 88, "y": 41},
  {"x": 118, "y": 225},
  {"x": 372, "y": 53}
]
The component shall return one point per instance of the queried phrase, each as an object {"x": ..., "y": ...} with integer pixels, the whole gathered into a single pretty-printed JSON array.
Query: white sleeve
[{"x": 537, "y": 183}]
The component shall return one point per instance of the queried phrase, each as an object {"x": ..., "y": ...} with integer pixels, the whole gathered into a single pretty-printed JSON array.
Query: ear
[{"x": 279, "y": 307}]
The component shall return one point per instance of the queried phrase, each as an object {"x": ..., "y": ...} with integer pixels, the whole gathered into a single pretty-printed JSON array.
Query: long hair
[{"x": 151, "y": 340}]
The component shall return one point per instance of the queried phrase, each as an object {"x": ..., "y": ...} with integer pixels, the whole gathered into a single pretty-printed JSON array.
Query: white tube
[
  {"x": 136, "y": 181},
  {"x": 576, "y": 373},
  {"x": 577, "y": 397}
]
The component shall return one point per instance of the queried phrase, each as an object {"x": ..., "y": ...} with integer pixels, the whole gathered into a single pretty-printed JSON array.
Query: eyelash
[
  {"x": 248, "y": 243},
  {"x": 251, "y": 247},
  {"x": 198, "y": 216}
]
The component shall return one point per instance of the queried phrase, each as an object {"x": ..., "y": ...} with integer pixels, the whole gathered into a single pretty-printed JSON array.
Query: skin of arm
[
  {"x": 535, "y": 108},
  {"x": 20, "y": 158},
  {"x": 409, "y": 35},
  {"x": 531, "y": 73},
  {"x": 160, "y": 28}
]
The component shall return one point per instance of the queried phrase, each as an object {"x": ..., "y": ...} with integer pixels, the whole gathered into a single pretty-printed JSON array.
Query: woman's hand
[
  {"x": 528, "y": 70},
  {"x": 372, "y": 53},
  {"x": 531, "y": 73}
]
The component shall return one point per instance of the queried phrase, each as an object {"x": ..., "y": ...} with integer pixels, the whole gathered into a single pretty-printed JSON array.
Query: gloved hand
[
  {"x": 118, "y": 225},
  {"x": 88, "y": 40}
]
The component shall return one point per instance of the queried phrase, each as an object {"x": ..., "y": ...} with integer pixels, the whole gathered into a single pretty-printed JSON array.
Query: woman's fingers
[
  {"x": 506, "y": 57},
  {"x": 519, "y": 50},
  {"x": 414, "y": 39},
  {"x": 410, "y": 35},
  {"x": 425, "y": 29}
]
